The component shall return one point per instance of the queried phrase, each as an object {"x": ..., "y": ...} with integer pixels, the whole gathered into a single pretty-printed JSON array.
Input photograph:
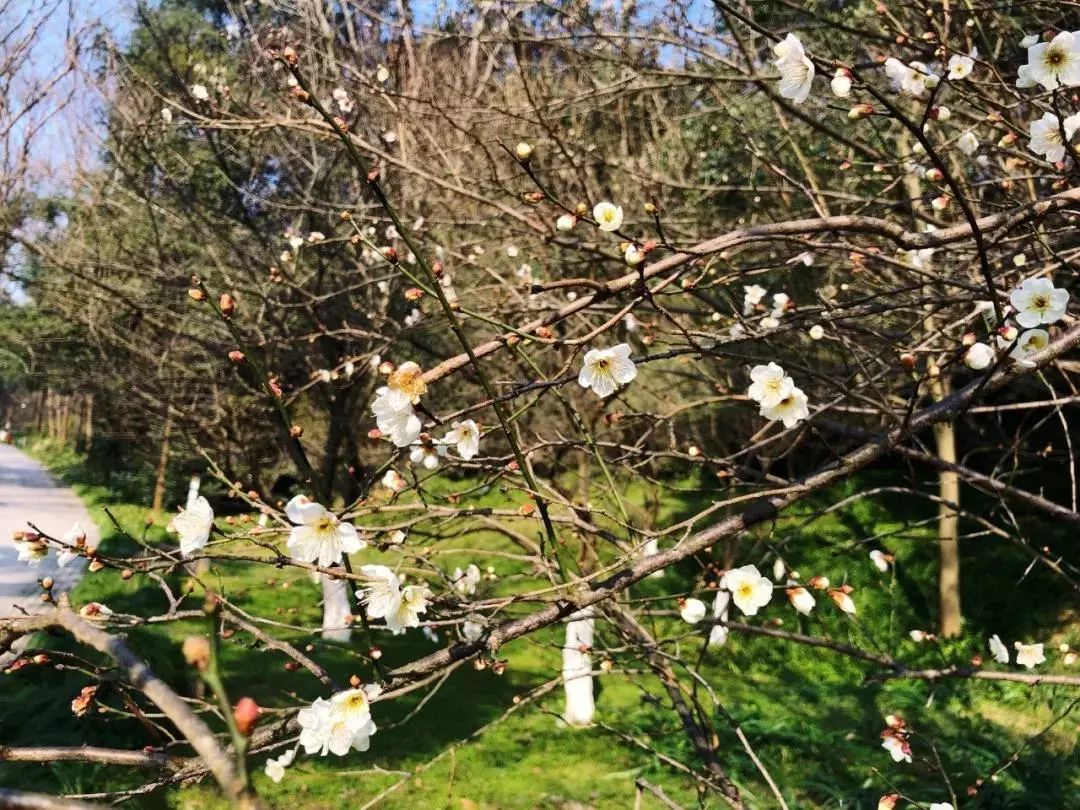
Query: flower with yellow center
[
  {"x": 1056, "y": 63},
  {"x": 604, "y": 370},
  {"x": 796, "y": 69},
  {"x": 406, "y": 383},
  {"x": 770, "y": 385},
  {"x": 608, "y": 216},
  {"x": 318, "y": 535},
  {"x": 750, "y": 590},
  {"x": 791, "y": 410},
  {"x": 1038, "y": 301}
]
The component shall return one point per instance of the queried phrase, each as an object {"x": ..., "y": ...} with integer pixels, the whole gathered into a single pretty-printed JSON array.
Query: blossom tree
[{"x": 499, "y": 276}]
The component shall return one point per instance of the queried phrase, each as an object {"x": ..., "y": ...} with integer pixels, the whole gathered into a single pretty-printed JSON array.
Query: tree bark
[
  {"x": 161, "y": 480},
  {"x": 950, "y": 616}
]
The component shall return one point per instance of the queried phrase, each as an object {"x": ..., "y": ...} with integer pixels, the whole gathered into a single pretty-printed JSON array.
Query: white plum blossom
[
  {"x": 1038, "y": 301},
  {"x": 74, "y": 540},
  {"x": 566, "y": 222},
  {"x": 692, "y": 610},
  {"x": 960, "y": 66},
  {"x": 608, "y": 216},
  {"x": 193, "y": 525},
  {"x": 465, "y": 436},
  {"x": 780, "y": 303},
  {"x": 791, "y": 410},
  {"x": 1023, "y": 78},
  {"x": 1055, "y": 63},
  {"x": 967, "y": 143},
  {"x": 1029, "y": 655},
  {"x": 471, "y": 630},
  {"x": 385, "y": 599},
  {"x": 979, "y": 356},
  {"x": 917, "y": 258},
  {"x": 880, "y": 560},
  {"x": 817, "y": 332},
  {"x": 318, "y": 535},
  {"x": 796, "y": 69},
  {"x": 750, "y": 590},
  {"x": 841, "y": 83},
  {"x": 633, "y": 255},
  {"x": 31, "y": 551},
  {"x": 842, "y": 599},
  {"x": 426, "y": 453},
  {"x": 718, "y": 635},
  {"x": 338, "y": 725},
  {"x": 199, "y": 92},
  {"x": 1046, "y": 137},
  {"x": 393, "y": 481},
  {"x": 1030, "y": 342},
  {"x": 770, "y": 385},
  {"x": 914, "y": 79},
  {"x": 604, "y": 370},
  {"x": 752, "y": 296},
  {"x": 998, "y": 649},
  {"x": 275, "y": 767},
  {"x": 465, "y": 582},
  {"x": 801, "y": 599},
  {"x": 897, "y": 747},
  {"x": 396, "y": 420}
]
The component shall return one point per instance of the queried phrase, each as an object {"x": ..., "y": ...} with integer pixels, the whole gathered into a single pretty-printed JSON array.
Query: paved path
[{"x": 28, "y": 494}]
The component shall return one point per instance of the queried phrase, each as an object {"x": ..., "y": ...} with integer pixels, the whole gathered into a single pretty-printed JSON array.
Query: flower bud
[
  {"x": 237, "y": 356},
  {"x": 196, "y": 294},
  {"x": 196, "y": 652},
  {"x": 414, "y": 294},
  {"x": 907, "y": 360},
  {"x": 566, "y": 222},
  {"x": 296, "y": 431},
  {"x": 934, "y": 175},
  {"x": 227, "y": 305},
  {"x": 1008, "y": 333},
  {"x": 289, "y": 55},
  {"x": 47, "y": 583},
  {"x": 860, "y": 111},
  {"x": 246, "y": 714},
  {"x": 523, "y": 151}
]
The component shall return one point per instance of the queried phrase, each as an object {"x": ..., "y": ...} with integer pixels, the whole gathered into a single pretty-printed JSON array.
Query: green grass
[{"x": 812, "y": 716}]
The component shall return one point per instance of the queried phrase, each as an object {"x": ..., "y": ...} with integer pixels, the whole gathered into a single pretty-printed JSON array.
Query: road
[{"x": 28, "y": 494}]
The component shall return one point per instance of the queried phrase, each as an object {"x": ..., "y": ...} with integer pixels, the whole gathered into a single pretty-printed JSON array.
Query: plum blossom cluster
[
  {"x": 394, "y": 408},
  {"x": 32, "y": 548},
  {"x": 776, "y": 394},
  {"x": 1034, "y": 303}
]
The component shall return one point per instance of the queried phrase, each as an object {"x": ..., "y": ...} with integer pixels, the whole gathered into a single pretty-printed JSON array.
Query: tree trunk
[
  {"x": 577, "y": 669},
  {"x": 161, "y": 480},
  {"x": 950, "y": 616},
  {"x": 336, "y": 609}
]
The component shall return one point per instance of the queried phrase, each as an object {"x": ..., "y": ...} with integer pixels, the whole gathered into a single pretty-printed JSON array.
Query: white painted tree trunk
[
  {"x": 577, "y": 669},
  {"x": 719, "y": 633},
  {"x": 193, "y": 491},
  {"x": 336, "y": 609}
]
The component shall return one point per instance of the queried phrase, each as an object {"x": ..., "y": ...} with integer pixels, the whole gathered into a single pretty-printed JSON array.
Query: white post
[
  {"x": 577, "y": 669},
  {"x": 335, "y": 609},
  {"x": 193, "y": 491},
  {"x": 719, "y": 633}
]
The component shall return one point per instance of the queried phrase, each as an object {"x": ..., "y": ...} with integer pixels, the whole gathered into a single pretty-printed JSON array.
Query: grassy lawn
[{"x": 811, "y": 715}]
